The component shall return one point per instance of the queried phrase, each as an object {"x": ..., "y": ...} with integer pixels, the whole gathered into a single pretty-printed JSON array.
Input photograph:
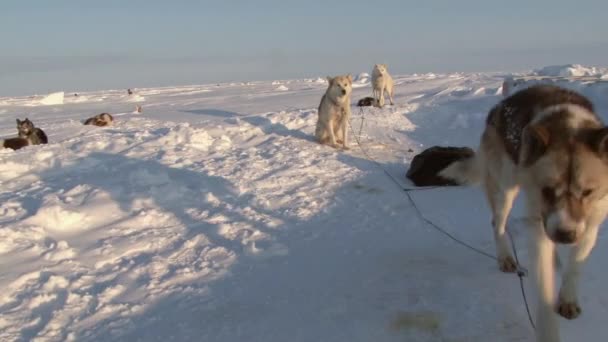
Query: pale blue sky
[{"x": 84, "y": 45}]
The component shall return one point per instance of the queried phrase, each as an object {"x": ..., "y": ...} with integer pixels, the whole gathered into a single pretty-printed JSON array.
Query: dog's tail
[{"x": 465, "y": 171}]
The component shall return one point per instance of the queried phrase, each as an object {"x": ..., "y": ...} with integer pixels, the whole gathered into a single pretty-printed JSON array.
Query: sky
[{"x": 90, "y": 45}]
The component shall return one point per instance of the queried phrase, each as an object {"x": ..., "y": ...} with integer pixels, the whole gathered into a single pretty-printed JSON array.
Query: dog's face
[
  {"x": 380, "y": 68},
  {"x": 570, "y": 180},
  {"x": 25, "y": 126},
  {"x": 340, "y": 86}
]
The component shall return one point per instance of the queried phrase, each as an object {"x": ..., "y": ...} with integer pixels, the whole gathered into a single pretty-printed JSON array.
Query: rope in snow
[{"x": 521, "y": 271}]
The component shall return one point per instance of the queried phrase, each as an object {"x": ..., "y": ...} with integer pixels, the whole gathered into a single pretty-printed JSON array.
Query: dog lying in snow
[
  {"x": 382, "y": 82},
  {"x": 334, "y": 112},
  {"x": 368, "y": 102},
  {"x": 28, "y": 134},
  {"x": 549, "y": 142},
  {"x": 103, "y": 119}
]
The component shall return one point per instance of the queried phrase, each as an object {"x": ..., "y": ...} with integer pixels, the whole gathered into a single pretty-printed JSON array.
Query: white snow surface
[{"x": 215, "y": 216}]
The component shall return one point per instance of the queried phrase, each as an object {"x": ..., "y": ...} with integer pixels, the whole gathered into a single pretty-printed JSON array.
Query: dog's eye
[
  {"x": 587, "y": 192},
  {"x": 549, "y": 194}
]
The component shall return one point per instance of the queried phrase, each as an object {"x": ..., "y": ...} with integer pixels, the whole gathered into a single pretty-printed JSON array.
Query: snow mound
[
  {"x": 197, "y": 138},
  {"x": 362, "y": 78},
  {"x": 568, "y": 70},
  {"x": 136, "y": 98},
  {"x": 59, "y": 219},
  {"x": 282, "y": 88},
  {"x": 53, "y": 99}
]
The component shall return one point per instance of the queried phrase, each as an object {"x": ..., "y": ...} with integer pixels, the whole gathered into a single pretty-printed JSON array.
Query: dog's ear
[
  {"x": 18, "y": 122},
  {"x": 597, "y": 140},
  {"x": 535, "y": 141},
  {"x": 349, "y": 77},
  {"x": 329, "y": 79}
]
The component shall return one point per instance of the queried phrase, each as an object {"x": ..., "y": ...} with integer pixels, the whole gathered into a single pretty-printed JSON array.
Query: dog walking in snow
[
  {"x": 382, "y": 82},
  {"x": 549, "y": 142},
  {"x": 28, "y": 134},
  {"x": 334, "y": 112},
  {"x": 103, "y": 119}
]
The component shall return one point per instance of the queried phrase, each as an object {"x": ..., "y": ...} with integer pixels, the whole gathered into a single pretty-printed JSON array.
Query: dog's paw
[
  {"x": 340, "y": 142},
  {"x": 345, "y": 148},
  {"x": 568, "y": 310},
  {"x": 507, "y": 264}
]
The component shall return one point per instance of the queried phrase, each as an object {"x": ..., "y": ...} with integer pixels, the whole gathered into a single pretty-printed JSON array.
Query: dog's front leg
[
  {"x": 332, "y": 135},
  {"x": 567, "y": 305},
  {"x": 344, "y": 122},
  {"x": 543, "y": 251}
]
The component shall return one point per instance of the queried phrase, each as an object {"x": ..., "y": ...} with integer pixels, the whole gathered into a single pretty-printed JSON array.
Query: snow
[
  {"x": 214, "y": 216},
  {"x": 569, "y": 70},
  {"x": 53, "y": 99}
]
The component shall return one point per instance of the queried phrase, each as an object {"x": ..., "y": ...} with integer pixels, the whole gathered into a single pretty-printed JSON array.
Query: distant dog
[
  {"x": 28, "y": 135},
  {"x": 368, "y": 102},
  {"x": 334, "y": 112},
  {"x": 103, "y": 119},
  {"x": 129, "y": 91},
  {"x": 382, "y": 82},
  {"x": 549, "y": 142},
  {"x": 27, "y": 130}
]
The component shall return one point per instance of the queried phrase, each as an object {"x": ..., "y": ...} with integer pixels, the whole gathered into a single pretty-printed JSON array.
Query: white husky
[
  {"x": 334, "y": 112},
  {"x": 381, "y": 82}
]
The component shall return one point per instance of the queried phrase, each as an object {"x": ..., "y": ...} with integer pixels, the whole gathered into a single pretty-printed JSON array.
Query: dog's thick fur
[
  {"x": 103, "y": 119},
  {"x": 28, "y": 134},
  {"x": 334, "y": 112},
  {"x": 368, "y": 102},
  {"x": 382, "y": 82},
  {"x": 15, "y": 143},
  {"x": 33, "y": 134},
  {"x": 549, "y": 142}
]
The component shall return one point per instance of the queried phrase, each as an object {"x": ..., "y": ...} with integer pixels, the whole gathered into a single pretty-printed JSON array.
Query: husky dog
[
  {"x": 549, "y": 142},
  {"x": 28, "y": 135},
  {"x": 103, "y": 119},
  {"x": 367, "y": 102},
  {"x": 334, "y": 112},
  {"x": 382, "y": 82},
  {"x": 27, "y": 130}
]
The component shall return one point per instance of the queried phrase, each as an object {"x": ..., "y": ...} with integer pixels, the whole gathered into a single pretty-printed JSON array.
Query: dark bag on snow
[{"x": 425, "y": 167}]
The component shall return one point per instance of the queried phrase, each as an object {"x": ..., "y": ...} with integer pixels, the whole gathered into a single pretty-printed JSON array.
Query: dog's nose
[
  {"x": 343, "y": 92},
  {"x": 564, "y": 236}
]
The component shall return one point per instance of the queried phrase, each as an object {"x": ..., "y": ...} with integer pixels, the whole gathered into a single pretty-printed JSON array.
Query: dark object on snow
[
  {"x": 367, "y": 102},
  {"x": 15, "y": 143},
  {"x": 129, "y": 91},
  {"x": 425, "y": 167}
]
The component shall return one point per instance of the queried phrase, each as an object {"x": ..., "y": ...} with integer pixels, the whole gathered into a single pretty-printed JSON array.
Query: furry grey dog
[
  {"x": 27, "y": 130},
  {"x": 28, "y": 135}
]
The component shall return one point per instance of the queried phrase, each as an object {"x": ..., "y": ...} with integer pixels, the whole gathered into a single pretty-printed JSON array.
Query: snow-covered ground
[{"x": 214, "y": 216}]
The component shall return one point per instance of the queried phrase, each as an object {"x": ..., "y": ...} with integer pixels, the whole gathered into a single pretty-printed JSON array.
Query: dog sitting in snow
[
  {"x": 27, "y": 130},
  {"x": 103, "y": 119},
  {"x": 28, "y": 134},
  {"x": 334, "y": 112},
  {"x": 549, "y": 142},
  {"x": 382, "y": 82}
]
